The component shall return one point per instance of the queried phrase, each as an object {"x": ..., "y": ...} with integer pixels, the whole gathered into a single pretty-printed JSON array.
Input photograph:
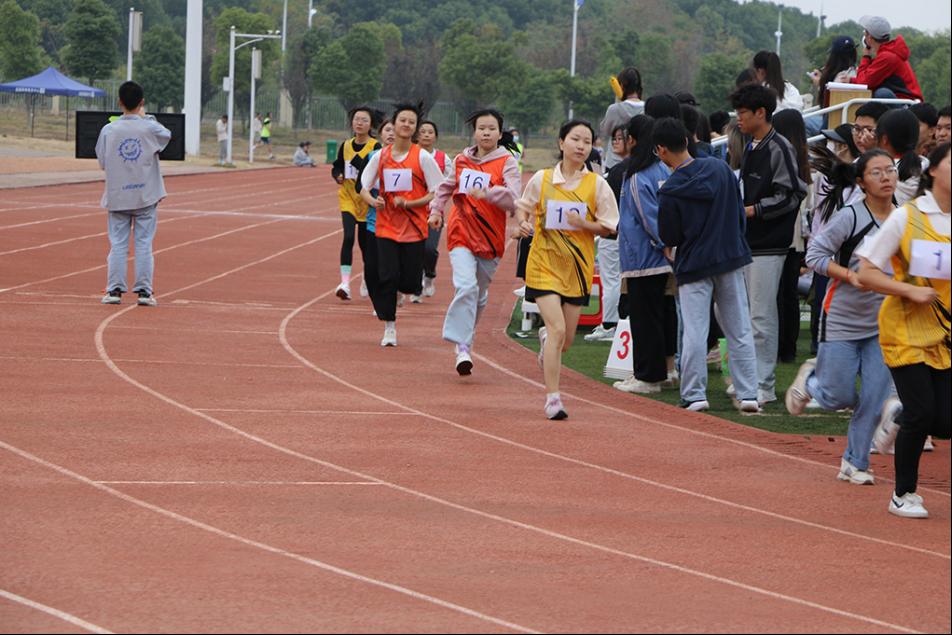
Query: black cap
[
  {"x": 833, "y": 134},
  {"x": 686, "y": 98},
  {"x": 842, "y": 44}
]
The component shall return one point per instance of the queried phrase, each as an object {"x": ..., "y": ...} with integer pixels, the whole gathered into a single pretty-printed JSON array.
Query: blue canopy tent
[{"x": 50, "y": 82}]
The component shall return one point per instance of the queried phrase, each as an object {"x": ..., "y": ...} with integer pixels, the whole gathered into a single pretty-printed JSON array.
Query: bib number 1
[
  {"x": 930, "y": 259},
  {"x": 350, "y": 172},
  {"x": 397, "y": 180},
  {"x": 557, "y": 214}
]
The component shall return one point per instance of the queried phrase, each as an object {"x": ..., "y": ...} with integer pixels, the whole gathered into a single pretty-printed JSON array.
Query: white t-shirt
[
  {"x": 431, "y": 171},
  {"x": 881, "y": 247},
  {"x": 791, "y": 99},
  {"x": 221, "y": 129}
]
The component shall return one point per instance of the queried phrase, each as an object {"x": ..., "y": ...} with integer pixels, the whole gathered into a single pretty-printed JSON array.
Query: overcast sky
[{"x": 927, "y": 15}]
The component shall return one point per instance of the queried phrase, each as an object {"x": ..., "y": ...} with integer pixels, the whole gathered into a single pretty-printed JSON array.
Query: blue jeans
[
  {"x": 733, "y": 314},
  {"x": 471, "y": 277},
  {"x": 833, "y": 385},
  {"x": 120, "y": 228}
]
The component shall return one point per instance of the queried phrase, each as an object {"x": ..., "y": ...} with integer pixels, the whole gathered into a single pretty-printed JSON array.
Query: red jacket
[{"x": 890, "y": 69}]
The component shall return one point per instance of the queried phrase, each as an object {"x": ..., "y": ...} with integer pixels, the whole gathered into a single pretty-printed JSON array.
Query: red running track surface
[{"x": 246, "y": 457}]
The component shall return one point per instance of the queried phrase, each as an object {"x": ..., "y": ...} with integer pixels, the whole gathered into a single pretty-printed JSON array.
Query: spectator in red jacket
[{"x": 885, "y": 65}]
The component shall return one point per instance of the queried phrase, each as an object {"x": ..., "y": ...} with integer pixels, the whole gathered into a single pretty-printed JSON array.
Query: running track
[{"x": 246, "y": 457}]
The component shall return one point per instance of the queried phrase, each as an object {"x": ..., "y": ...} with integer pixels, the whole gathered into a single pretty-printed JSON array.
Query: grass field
[{"x": 589, "y": 359}]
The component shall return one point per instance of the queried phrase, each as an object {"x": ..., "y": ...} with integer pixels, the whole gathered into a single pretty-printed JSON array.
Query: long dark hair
[
  {"x": 505, "y": 140},
  {"x": 935, "y": 158},
  {"x": 901, "y": 129},
  {"x": 789, "y": 124},
  {"x": 770, "y": 62},
  {"x": 837, "y": 62},
  {"x": 630, "y": 81},
  {"x": 642, "y": 156},
  {"x": 841, "y": 177},
  {"x": 567, "y": 128}
]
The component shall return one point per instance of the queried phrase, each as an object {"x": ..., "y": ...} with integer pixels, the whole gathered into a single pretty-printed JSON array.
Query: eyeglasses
[
  {"x": 861, "y": 130},
  {"x": 878, "y": 173}
]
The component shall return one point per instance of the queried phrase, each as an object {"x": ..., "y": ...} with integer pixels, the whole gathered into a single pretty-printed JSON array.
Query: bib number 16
[
  {"x": 470, "y": 179},
  {"x": 557, "y": 214}
]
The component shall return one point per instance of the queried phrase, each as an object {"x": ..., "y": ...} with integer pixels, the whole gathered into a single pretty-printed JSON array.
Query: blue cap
[{"x": 842, "y": 44}]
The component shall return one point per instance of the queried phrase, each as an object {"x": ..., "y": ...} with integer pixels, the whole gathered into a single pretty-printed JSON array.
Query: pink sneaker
[{"x": 554, "y": 409}]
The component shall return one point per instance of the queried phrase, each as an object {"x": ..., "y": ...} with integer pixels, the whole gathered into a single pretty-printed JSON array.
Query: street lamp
[
  {"x": 779, "y": 31},
  {"x": 255, "y": 74},
  {"x": 253, "y": 37},
  {"x": 135, "y": 39},
  {"x": 311, "y": 11}
]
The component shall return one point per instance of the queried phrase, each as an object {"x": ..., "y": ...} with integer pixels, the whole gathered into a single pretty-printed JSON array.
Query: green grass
[{"x": 589, "y": 359}]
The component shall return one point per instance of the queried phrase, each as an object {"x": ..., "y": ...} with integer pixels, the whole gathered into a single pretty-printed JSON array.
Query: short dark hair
[
  {"x": 428, "y": 121},
  {"x": 935, "y": 158},
  {"x": 901, "y": 129},
  {"x": 414, "y": 108},
  {"x": 130, "y": 95},
  {"x": 872, "y": 109},
  {"x": 663, "y": 105},
  {"x": 568, "y": 125},
  {"x": 925, "y": 113},
  {"x": 719, "y": 120},
  {"x": 691, "y": 117},
  {"x": 945, "y": 111},
  {"x": 670, "y": 133},
  {"x": 753, "y": 97},
  {"x": 367, "y": 109}
]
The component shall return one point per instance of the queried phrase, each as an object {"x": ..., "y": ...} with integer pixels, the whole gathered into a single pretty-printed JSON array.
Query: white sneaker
[
  {"x": 429, "y": 287},
  {"x": 146, "y": 299},
  {"x": 601, "y": 334},
  {"x": 400, "y": 299},
  {"x": 731, "y": 391},
  {"x": 542, "y": 336},
  {"x": 697, "y": 406},
  {"x": 112, "y": 297},
  {"x": 797, "y": 396},
  {"x": 909, "y": 505},
  {"x": 464, "y": 361},
  {"x": 389, "y": 336},
  {"x": 884, "y": 438},
  {"x": 749, "y": 406},
  {"x": 673, "y": 380},
  {"x": 637, "y": 386},
  {"x": 764, "y": 397},
  {"x": 929, "y": 446},
  {"x": 416, "y": 299},
  {"x": 520, "y": 292},
  {"x": 343, "y": 291},
  {"x": 555, "y": 410},
  {"x": 856, "y": 476},
  {"x": 363, "y": 289}
]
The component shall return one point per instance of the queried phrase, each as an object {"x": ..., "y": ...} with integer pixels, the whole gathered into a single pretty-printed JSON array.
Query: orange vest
[
  {"x": 402, "y": 225},
  {"x": 476, "y": 224}
]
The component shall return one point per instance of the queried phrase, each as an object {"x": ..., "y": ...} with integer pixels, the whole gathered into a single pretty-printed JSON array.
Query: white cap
[{"x": 876, "y": 26}]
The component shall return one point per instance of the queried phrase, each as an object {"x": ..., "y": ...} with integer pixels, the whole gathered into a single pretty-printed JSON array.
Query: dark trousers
[
  {"x": 401, "y": 269},
  {"x": 788, "y": 308},
  {"x": 523, "y": 256},
  {"x": 369, "y": 253},
  {"x": 816, "y": 308},
  {"x": 926, "y": 395},
  {"x": 350, "y": 233},
  {"x": 431, "y": 252},
  {"x": 654, "y": 326}
]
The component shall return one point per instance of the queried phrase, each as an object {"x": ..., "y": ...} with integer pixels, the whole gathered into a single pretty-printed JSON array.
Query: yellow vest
[
  {"x": 562, "y": 260},
  {"x": 350, "y": 201},
  {"x": 911, "y": 333}
]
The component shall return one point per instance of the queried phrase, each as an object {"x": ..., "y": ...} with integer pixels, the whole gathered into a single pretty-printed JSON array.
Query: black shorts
[
  {"x": 266, "y": 140},
  {"x": 533, "y": 294}
]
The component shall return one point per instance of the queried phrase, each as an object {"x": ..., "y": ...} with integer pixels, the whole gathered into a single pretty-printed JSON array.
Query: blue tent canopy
[{"x": 51, "y": 82}]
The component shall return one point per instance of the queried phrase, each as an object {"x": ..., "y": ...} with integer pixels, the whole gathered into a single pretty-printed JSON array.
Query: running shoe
[
  {"x": 429, "y": 287},
  {"x": 884, "y": 438},
  {"x": 730, "y": 390},
  {"x": 909, "y": 505},
  {"x": 636, "y": 386},
  {"x": 146, "y": 299},
  {"x": 673, "y": 380},
  {"x": 601, "y": 334},
  {"x": 343, "y": 291},
  {"x": 856, "y": 476},
  {"x": 389, "y": 336},
  {"x": 542, "y": 336},
  {"x": 554, "y": 409},
  {"x": 929, "y": 446},
  {"x": 401, "y": 299},
  {"x": 363, "y": 289},
  {"x": 112, "y": 297},
  {"x": 696, "y": 406},
  {"x": 797, "y": 396},
  {"x": 749, "y": 406},
  {"x": 520, "y": 292},
  {"x": 764, "y": 397},
  {"x": 464, "y": 361},
  {"x": 416, "y": 299}
]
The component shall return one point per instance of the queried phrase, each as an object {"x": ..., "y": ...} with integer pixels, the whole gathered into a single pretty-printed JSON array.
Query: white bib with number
[
  {"x": 470, "y": 179},
  {"x": 397, "y": 180},
  {"x": 350, "y": 172},
  {"x": 557, "y": 213},
  {"x": 930, "y": 259}
]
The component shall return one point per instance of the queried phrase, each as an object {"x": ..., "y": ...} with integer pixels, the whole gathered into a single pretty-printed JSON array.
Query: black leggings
[
  {"x": 401, "y": 269},
  {"x": 350, "y": 232},
  {"x": 368, "y": 249},
  {"x": 926, "y": 395},
  {"x": 654, "y": 326},
  {"x": 431, "y": 252}
]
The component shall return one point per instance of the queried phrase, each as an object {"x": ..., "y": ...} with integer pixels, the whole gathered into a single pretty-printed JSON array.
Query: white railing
[{"x": 845, "y": 106}]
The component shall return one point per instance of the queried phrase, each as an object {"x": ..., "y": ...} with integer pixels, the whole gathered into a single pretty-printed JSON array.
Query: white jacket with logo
[{"x": 127, "y": 150}]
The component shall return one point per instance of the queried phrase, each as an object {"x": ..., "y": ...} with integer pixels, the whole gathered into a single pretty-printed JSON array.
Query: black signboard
[{"x": 90, "y": 122}]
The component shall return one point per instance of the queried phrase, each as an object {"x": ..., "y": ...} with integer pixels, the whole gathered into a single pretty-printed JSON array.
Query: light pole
[
  {"x": 284, "y": 30},
  {"x": 255, "y": 74},
  {"x": 135, "y": 39},
  {"x": 232, "y": 35},
  {"x": 779, "y": 32},
  {"x": 575, "y": 6},
  {"x": 310, "y": 13}
]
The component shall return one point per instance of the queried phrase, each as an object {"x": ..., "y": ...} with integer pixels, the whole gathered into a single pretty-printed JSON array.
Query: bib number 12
[{"x": 557, "y": 214}]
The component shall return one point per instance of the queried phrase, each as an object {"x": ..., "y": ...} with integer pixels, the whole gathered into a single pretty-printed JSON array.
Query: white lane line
[
  {"x": 170, "y": 362},
  {"x": 51, "y": 220},
  {"x": 745, "y": 444},
  {"x": 49, "y": 610},
  {"x": 361, "y": 413},
  {"x": 266, "y": 547},
  {"x": 194, "y": 330},
  {"x": 236, "y": 483},
  {"x": 574, "y": 461}
]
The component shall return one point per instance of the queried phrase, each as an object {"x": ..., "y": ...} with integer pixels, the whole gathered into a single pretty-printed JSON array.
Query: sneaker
[
  {"x": 856, "y": 476},
  {"x": 634, "y": 385},
  {"x": 416, "y": 299},
  {"x": 884, "y": 438},
  {"x": 749, "y": 406},
  {"x": 696, "y": 406},
  {"x": 520, "y": 292},
  {"x": 601, "y": 334},
  {"x": 146, "y": 299},
  {"x": 714, "y": 356},
  {"x": 343, "y": 291},
  {"x": 112, "y": 297},
  {"x": 929, "y": 446},
  {"x": 797, "y": 396},
  {"x": 363, "y": 289},
  {"x": 389, "y": 336},
  {"x": 673, "y": 380},
  {"x": 542, "y": 336},
  {"x": 429, "y": 287},
  {"x": 731, "y": 391},
  {"x": 464, "y": 362},
  {"x": 554, "y": 409},
  {"x": 763, "y": 397},
  {"x": 909, "y": 505},
  {"x": 401, "y": 299}
]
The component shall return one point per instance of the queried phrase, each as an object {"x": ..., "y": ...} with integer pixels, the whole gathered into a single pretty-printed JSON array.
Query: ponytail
[
  {"x": 506, "y": 139},
  {"x": 935, "y": 158}
]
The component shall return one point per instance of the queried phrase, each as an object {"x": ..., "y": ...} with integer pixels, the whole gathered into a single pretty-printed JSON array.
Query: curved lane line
[{"x": 49, "y": 610}]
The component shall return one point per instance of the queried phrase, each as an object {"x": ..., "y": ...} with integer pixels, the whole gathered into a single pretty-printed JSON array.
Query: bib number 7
[
  {"x": 557, "y": 214},
  {"x": 397, "y": 180}
]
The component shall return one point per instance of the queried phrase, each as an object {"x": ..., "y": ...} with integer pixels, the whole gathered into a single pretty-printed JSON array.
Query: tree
[
  {"x": 351, "y": 67},
  {"x": 528, "y": 105},
  {"x": 243, "y": 22},
  {"x": 52, "y": 15},
  {"x": 20, "y": 54},
  {"x": 478, "y": 62},
  {"x": 91, "y": 33},
  {"x": 589, "y": 96},
  {"x": 302, "y": 52},
  {"x": 158, "y": 68},
  {"x": 716, "y": 79}
]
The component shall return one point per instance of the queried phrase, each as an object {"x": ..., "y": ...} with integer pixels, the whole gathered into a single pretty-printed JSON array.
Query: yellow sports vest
[
  {"x": 561, "y": 260},
  {"x": 911, "y": 333},
  {"x": 350, "y": 201}
]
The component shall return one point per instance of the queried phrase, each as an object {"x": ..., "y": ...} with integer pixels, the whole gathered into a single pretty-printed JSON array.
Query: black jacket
[{"x": 771, "y": 181}]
